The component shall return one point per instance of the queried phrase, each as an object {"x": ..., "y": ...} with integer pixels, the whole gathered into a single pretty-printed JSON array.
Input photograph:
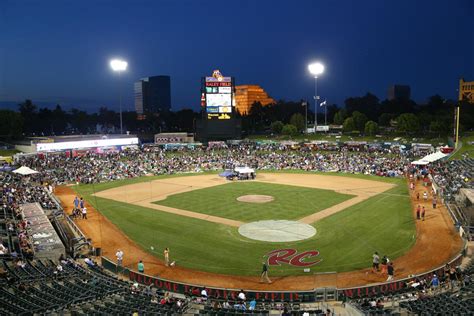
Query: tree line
[
  {"x": 30, "y": 120},
  {"x": 360, "y": 115},
  {"x": 365, "y": 115}
]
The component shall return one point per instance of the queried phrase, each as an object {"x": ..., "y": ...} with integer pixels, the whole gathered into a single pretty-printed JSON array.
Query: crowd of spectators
[
  {"x": 94, "y": 167},
  {"x": 451, "y": 286},
  {"x": 453, "y": 175}
]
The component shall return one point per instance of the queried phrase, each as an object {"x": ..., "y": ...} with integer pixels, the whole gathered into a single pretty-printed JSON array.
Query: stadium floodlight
[
  {"x": 118, "y": 66},
  {"x": 316, "y": 69}
]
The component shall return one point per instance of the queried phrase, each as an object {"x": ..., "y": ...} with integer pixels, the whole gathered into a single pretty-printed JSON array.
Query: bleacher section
[
  {"x": 43, "y": 286},
  {"x": 459, "y": 302},
  {"x": 425, "y": 300},
  {"x": 8, "y": 233}
]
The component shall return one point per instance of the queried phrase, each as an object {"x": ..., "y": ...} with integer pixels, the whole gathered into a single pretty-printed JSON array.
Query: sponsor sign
[
  {"x": 87, "y": 144},
  {"x": 225, "y": 109},
  {"x": 223, "y": 90},
  {"x": 212, "y": 109}
]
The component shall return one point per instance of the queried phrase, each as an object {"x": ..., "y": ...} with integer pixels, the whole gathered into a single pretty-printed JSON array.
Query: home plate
[{"x": 277, "y": 230}]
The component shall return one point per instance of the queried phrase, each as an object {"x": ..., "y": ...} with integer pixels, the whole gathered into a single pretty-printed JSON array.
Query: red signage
[{"x": 291, "y": 257}]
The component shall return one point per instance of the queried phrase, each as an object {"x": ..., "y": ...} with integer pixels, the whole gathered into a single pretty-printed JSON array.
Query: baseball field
[{"x": 198, "y": 217}]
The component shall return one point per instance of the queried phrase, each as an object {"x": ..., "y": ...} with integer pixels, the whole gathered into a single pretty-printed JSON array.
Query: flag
[{"x": 323, "y": 103}]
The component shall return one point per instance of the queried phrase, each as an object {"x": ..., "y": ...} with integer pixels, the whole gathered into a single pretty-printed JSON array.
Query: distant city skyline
[{"x": 57, "y": 52}]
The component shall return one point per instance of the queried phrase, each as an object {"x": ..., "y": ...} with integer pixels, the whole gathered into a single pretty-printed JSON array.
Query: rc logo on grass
[{"x": 291, "y": 257}]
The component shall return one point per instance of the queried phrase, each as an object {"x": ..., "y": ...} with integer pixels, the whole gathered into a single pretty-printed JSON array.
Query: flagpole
[
  {"x": 305, "y": 117},
  {"x": 325, "y": 113}
]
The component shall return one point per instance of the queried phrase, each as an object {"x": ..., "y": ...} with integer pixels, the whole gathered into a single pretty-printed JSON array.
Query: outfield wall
[{"x": 318, "y": 294}]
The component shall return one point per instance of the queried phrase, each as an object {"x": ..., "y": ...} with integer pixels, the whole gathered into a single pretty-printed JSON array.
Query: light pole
[
  {"x": 316, "y": 69},
  {"x": 118, "y": 66},
  {"x": 305, "y": 104}
]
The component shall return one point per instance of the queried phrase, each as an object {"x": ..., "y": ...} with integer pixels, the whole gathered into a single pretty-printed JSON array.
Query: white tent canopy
[
  {"x": 25, "y": 171},
  {"x": 430, "y": 158},
  {"x": 244, "y": 170}
]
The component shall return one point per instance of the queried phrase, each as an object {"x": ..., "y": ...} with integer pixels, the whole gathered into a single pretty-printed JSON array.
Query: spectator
[
  {"x": 390, "y": 271},
  {"x": 141, "y": 267},
  {"x": 241, "y": 295},
  {"x": 435, "y": 283},
  {"x": 252, "y": 304}
]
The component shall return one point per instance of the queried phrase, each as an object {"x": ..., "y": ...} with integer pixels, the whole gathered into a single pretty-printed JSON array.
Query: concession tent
[
  {"x": 430, "y": 158},
  {"x": 244, "y": 170},
  {"x": 25, "y": 171}
]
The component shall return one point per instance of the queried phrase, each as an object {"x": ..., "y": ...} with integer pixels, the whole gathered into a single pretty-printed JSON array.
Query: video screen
[{"x": 219, "y": 99}]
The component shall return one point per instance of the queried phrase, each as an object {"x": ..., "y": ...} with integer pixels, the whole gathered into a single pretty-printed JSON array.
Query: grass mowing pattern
[
  {"x": 290, "y": 202},
  {"x": 345, "y": 240}
]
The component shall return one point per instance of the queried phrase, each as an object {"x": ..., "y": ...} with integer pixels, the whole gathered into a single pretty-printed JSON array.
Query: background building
[
  {"x": 399, "y": 92},
  {"x": 152, "y": 95},
  {"x": 466, "y": 90},
  {"x": 246, "y": 95}
]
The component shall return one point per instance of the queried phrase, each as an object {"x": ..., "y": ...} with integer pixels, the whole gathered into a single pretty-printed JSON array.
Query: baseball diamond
[{"x": 352, "y": 214}]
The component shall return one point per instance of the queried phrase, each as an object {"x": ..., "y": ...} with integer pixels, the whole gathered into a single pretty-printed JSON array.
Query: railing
[
  {"x": 315, "y": 295},
  {"x": 61, "y": 232},
  {"x": 392, "y": 287},
  {"x": 78, "y": 242},
  {"x": 56, "y": 201}
]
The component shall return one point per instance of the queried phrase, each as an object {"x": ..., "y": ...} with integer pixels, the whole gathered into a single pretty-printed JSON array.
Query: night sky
[{"x": 58, "y": 51}]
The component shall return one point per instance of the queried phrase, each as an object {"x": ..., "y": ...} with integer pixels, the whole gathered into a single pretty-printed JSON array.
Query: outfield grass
[
  {"x": 289, "y": 202},
  {"x": 345, "y": 240},
  {"x": 8, "y": 152}
]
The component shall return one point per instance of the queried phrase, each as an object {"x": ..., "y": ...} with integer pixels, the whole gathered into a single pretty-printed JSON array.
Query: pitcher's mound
[{"x": 254, "y": 198}]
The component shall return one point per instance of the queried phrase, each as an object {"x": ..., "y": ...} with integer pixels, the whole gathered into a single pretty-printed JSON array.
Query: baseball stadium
[
  {"x": 302, "y": 225},
  {"x": 252, "y": 158}
]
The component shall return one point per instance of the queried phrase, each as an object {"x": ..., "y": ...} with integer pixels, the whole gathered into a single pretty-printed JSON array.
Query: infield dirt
[{"x": 436, "y": 240}]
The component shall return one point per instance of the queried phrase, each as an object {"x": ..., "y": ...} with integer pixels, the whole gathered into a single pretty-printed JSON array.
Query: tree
[
  {"x": 44, "y": 124},
  {"x": 437, "y": 127},
  {"x": 359, "y": 120},
  {"x": 408, "y": 123},
  {"x": 289, "y": 129},
  {"x": 11, "y": 124},
  {"x": 340, "y": 116},
  {"x": 297, "y": 120},
  {"x": 397, "y": 106},
  {"x": 256, "y": 116},
  {"x": 349, "y": 125},
  {"x": 276, "y": 127},
  {"x": 59, "y": 120},
  {"x": 368, "y": 105},
  {"x": 371, "y": 128},
  {"x": 29, "y": 114},
  {"x": 385, "y": 118}
]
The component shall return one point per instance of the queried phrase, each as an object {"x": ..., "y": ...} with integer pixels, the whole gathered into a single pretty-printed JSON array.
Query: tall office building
[
  {"x": 399, "y": 91},
  {"x": 152, "y": 95},
  {"x": 247, "y": 95},
  {"x": 466, "y": 90}
]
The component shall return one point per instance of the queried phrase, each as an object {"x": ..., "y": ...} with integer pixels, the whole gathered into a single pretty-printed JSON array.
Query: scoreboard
[{"x": 217, "y": 96}]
